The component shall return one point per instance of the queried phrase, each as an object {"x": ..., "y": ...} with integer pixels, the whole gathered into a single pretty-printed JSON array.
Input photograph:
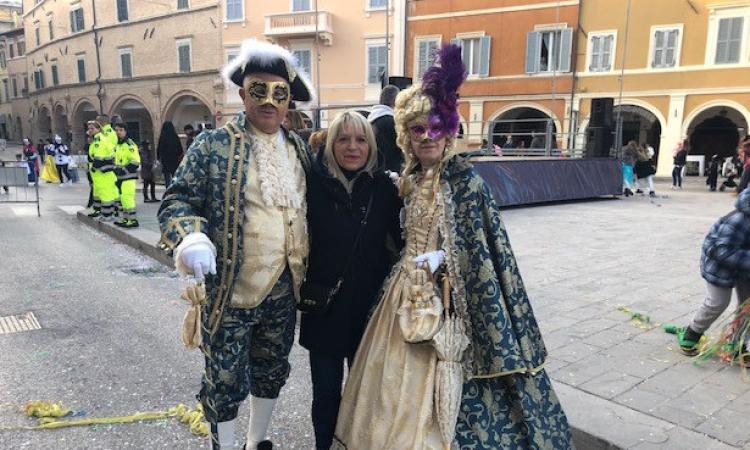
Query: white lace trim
[{"x": 275, "y": 172}]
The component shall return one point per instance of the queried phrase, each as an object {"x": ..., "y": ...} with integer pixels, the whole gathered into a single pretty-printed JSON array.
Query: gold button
[
  {"x": 229, "y": 236},
  {"x": 229, "y": 261},
  {"x": 236, "y": 157},
  {"x": 234, "y": 180},
  {"x": 231, "y": 208}
]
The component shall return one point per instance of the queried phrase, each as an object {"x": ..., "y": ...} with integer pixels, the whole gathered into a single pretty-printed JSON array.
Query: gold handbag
[{"x": 421, "y": 311}]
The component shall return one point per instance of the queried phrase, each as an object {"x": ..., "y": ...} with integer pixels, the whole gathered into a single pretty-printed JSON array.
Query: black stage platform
[{"x": 524, "y": 181}]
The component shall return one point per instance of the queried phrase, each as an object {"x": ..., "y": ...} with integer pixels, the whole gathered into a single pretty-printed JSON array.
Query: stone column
[{"x": 671, "y": 135}]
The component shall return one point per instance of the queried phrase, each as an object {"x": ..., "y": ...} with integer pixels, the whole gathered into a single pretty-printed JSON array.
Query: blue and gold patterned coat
[
  {"x": 502, "y": 329},
  {"x": 508, "y": 401},
  {"x": 207, "y": 194}
]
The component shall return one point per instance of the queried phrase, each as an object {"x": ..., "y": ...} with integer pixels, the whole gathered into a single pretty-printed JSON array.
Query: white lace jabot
[{"x": 275, "y": 170}]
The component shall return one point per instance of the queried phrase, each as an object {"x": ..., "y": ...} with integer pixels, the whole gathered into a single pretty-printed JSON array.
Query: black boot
[{"x": 263, "y": 445}]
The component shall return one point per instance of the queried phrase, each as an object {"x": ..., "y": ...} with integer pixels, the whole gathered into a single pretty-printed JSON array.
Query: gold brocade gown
[
  {"x": 49, "y": 171},
  {"x": 388, "y": 398}
]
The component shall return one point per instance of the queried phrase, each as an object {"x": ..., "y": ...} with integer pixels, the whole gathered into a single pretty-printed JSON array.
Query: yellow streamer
[{"x": 49, "y": 415}]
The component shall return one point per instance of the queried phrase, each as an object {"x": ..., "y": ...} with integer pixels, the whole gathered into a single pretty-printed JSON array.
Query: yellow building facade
[
  {"x": 676, "y": 69},
  {"x": 344, "y": 50}
]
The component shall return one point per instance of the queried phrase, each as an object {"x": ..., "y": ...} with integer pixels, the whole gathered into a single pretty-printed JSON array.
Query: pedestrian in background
[
  {"x": 679, "y": 160},
  {"x": 381, "y": 119},
  {"x": 352, "y": 212},
  {"x": 49, "y": 170},
  {"x": 127, "y": 162},
  {"x": 744, "y": 165},
  {"x": 629, "y": 158},
  {"x": 645, "y": 171},
  {"x": 168, "y": 151},
  {"x": 147, "y": 172},
  {"x": 62, "y": 159},
  {"x": 713, "y": 172},
  {"x": 32, "y": 159},
  {"x": 189, "y": 135},
  {"x": 725, "y": 265},
  {"x": 295, "y": 122}
]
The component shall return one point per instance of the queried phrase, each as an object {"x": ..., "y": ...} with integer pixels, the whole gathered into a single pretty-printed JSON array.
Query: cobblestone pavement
[{"x": 619, "y": 383}]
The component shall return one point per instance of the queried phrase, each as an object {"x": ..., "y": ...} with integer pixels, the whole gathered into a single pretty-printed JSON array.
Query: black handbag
[{"x": 316, "y": 298}]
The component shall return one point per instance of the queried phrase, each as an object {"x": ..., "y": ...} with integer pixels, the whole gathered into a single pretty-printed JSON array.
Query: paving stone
[
  {"x": 641, "y": 400},
  {"x": 702, "y": 399},
  {"x": 574, "y": 352},
  {"x": 728, "y": 379},
  {"x": 610, "y": 384},
  {"x": 682, "y": 439},
  {"x": 728, "y": 426},
  {"x": 741, "y": 403},
  {"x": 584, "y": 370},
  {"x": 671, "y": 383}
]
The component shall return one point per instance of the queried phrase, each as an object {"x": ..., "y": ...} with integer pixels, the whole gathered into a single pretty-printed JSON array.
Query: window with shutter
[
  {"x": 234, "y": 9},
  {"x": 51, "y": 30},
  {"x": 471, "y": 55},
  {"x": 549, "y": 51},
  {"x": 665, "y": 47},
  {"x": 126, "y": 63},
  {"x": 729, "y": 40},
  {"x": 76, "y": 20},
  {"x": 14, "y": 84},
  {"x": 304, "y": 57},
  {"x": 81, "y": 69},
  {"x": 55, "y": 76},
  {"x": 182, "y": 4},
  {"x": 122, "y": 10},
  {"x": 376, "y": 58},
  {"x": 183, "y": 57},
  {"x": 377, "y": 4},
  {"x": 38, "y": 34},
  {"x": 301, "y": 5},
  {"x": 426, "y": 54}
]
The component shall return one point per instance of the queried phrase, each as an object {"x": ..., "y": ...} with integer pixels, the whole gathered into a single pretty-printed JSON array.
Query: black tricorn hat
[{"x": 263, "y": 57}]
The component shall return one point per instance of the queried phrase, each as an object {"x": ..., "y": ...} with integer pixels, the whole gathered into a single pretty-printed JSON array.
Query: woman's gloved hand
[{"x": 433, "y": 259}]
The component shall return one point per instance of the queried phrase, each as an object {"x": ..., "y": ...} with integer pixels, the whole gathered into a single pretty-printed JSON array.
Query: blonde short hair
[{"x": 357, "y": 120}]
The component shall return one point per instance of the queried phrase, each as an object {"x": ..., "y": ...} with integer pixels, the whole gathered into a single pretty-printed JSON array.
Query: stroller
[{"x": 730, "y": 171}]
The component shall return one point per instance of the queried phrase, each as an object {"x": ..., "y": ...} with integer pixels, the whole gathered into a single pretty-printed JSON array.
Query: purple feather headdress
[{"x": 440, "y": 83}]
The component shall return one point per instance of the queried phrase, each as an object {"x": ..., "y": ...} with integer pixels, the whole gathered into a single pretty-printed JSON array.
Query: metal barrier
[{"x": 15, "y": 186}]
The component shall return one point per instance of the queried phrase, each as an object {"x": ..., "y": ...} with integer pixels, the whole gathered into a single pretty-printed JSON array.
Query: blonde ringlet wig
[
  {"x": 357, "y": 121},
  {"x": 413, "y": 106}
]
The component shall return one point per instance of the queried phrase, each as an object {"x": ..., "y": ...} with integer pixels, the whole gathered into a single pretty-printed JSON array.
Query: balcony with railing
[{"x": 300, "y": 24}]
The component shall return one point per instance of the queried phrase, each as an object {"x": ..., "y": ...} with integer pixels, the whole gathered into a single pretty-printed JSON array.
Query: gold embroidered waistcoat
[{"x": 275, "y": 237}]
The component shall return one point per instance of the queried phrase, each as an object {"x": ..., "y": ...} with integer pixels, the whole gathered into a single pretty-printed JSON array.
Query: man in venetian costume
[
  {"x": 235, "y": 214},
  {"x": 504, "y": 399}
]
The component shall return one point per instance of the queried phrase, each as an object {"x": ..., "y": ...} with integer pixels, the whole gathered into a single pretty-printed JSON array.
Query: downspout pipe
[
  {"x": 100, "y": 86},
  {"x": 573, "y": 127}
]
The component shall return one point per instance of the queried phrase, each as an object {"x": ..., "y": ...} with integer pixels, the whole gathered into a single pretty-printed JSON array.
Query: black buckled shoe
[{"x": 263, "y": 445}]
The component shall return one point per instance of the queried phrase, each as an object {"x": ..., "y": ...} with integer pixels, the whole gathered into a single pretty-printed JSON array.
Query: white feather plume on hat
[{"x": 264, "y": 57}]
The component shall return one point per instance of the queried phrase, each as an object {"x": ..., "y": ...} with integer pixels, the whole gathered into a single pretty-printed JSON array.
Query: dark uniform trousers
[{"x": 249, "y": 354}]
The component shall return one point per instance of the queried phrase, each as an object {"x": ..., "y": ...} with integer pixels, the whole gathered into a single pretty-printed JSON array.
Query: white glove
[
  {"x": 433, "y": 259},
  {"x": 196, "y": 255},
  {"x": 200, "y": 259},
  {"x": 394, "y": 176}
]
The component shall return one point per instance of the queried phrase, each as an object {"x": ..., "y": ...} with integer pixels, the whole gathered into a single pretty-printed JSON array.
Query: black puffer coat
[{"x": 334, "y": 218}]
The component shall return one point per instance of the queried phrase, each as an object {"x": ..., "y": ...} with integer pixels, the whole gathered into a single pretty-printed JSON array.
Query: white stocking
[{"x": 261, "y": 410}]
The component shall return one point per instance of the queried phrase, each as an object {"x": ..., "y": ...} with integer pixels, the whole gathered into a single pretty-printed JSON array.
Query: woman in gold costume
[{"x": 393, "y": 398}]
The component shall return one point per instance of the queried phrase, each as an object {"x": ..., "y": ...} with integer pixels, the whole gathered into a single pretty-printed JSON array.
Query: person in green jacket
[{"x": 127, "y": 162}]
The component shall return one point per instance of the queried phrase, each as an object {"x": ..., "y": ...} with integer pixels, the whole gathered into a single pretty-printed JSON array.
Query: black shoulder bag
[{"x": 316, "y": 298}]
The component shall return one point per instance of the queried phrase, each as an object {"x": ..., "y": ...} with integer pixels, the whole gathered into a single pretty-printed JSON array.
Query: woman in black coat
[
  {"x": 169, "y": 151},
  {"x": 339, "y": 188}
]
